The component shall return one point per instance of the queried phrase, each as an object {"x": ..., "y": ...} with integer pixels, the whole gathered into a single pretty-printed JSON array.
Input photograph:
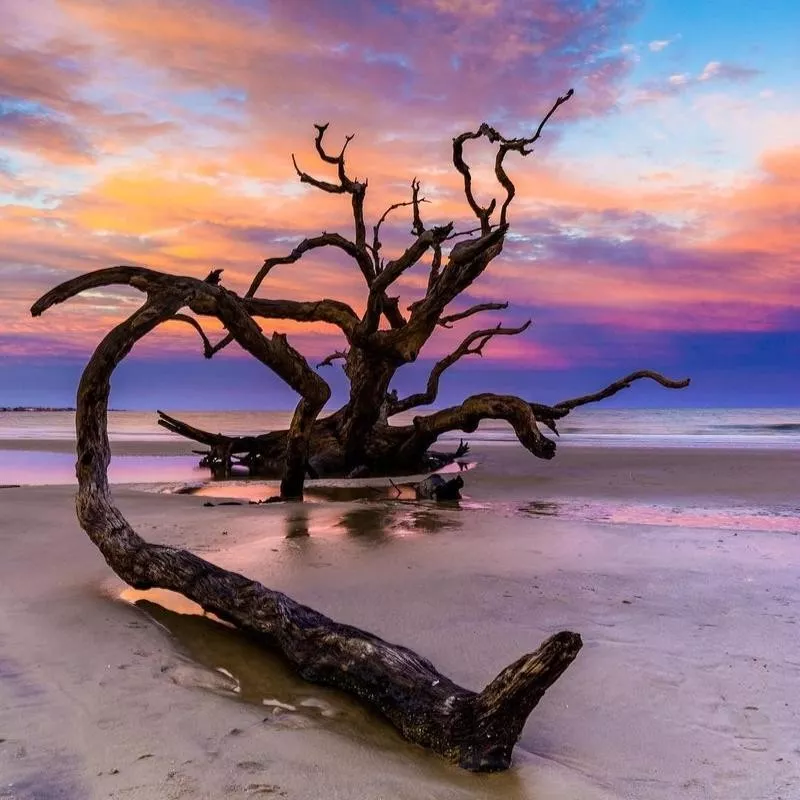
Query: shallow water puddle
[
  {"x": 324, "y": 490},
  {"x": 224, "y": 660}
]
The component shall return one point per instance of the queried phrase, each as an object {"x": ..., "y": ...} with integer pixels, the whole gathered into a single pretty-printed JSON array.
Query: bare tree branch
[
  {"x": 336, "y": 240},
  {"x": 432, "y": 237},
  {"x": 355, "y": 188},
  {"x": 618, "y": 386},
  {"x": 467, "y": 260},
  {"x": 482, "y": 338},
  {"x": 325, "y": 186},
  {"x": 208, "y": 349},
  {"x": 519, "y": 145},
  {"x": 333, "y": 312},
  {"x": 481, "y": 213},
  {"x": 328, "y": 360},
  {"x": 411, "y": 256},
  {"x": 436, "y": 266},
  {"x": 447, "y": 322},
  {"x": 417, "y": 228},
  {"x": 166, "y": 295}
]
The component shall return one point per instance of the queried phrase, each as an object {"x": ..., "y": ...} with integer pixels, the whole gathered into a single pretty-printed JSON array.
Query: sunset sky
[{"x": 655, "y": 226}]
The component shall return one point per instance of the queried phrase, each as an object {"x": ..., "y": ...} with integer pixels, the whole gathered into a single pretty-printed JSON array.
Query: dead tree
[
  {"x": 357, "y": 439},
  {"x": 474, "y": 730}
]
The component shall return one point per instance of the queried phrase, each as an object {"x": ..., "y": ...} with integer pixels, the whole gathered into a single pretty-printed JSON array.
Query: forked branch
[
  {"x": 467, "y": 347},
  {"x": 520, "y": 145},
  {"x": 354, "y": 188}
]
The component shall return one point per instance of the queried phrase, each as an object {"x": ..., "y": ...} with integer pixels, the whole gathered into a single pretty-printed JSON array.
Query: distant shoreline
[{"x": 41, "y": 409}]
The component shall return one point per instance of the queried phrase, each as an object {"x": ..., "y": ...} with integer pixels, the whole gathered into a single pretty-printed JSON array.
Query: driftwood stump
[{"x": 476, "y": 730}]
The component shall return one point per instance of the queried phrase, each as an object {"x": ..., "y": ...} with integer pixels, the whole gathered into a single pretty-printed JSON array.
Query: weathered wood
[
  {"x": 476, "y": 730},
  {"x": 357, "y": 439},
  {"x": 435, "y": 487}
]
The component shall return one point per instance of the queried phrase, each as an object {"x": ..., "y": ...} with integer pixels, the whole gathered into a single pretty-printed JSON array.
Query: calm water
[
  {"x": 730, "y": 428},
  {"x": 743, "y": 427}
]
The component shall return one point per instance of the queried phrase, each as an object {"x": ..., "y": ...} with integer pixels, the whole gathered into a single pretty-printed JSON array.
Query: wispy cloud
[{"x": 713, "y": 72}]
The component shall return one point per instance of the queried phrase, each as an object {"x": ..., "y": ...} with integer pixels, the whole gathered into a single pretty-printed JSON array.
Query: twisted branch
[
  {"x": 167, "y": 294},
  {"x": 354, "y": 188},
  {"x": 447, "y": 322},
  {"x": 618, "y": 386},
  {"x": 328, "y": 360},
  {"x": 482, "y": 337},
  {"x": 519, "y": 145}
]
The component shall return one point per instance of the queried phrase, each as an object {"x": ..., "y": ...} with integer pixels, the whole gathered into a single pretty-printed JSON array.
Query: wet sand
[
  {"x": 719, "y": 476},
  {"x": 685, "y": 686}
]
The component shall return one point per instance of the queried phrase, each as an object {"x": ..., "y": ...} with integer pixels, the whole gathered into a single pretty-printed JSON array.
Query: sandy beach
[{"x": 684, "y": 687}]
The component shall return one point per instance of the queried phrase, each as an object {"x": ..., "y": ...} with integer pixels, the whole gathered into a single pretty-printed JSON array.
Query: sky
[{"x": 655, "y": 225}]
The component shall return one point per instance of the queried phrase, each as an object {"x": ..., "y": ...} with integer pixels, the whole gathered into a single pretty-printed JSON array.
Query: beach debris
[
  {"x": 277, "y": 704},
  {"x": 435, "y": 487}
]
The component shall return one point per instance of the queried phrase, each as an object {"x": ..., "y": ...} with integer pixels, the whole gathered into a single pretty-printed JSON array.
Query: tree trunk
[{"x": 369, "y": 383}]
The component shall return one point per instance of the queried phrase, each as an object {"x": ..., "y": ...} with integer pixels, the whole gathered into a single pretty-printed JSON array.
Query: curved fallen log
[{"x": 476, "y": 730}]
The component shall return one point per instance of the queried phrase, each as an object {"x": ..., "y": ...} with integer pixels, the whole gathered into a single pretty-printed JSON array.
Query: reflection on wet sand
[
  {"x": 297, "y": 522},
  {"x": 379, "y": 523},
  {"x": 323, "y": 491}
]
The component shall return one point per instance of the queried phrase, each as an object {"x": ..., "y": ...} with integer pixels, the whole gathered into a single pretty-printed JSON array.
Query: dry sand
[{"x": 685, "y": 688}]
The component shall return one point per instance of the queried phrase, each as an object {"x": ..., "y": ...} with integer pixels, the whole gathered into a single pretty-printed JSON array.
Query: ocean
[
  {"x": 41, "y": 435},
  {"x": 707, "y": 427}
]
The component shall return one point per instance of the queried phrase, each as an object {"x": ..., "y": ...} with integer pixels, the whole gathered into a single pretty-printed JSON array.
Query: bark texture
[{"x": 476, "y": 730}]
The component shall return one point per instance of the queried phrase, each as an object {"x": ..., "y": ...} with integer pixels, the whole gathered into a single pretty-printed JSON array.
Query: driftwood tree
[
  {"x": 475, "y": 730},
  {"x": 357, "y": 439}
]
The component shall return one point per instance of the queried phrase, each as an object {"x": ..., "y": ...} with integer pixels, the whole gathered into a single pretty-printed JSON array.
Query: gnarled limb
[
  {"x": 447, "y": 321},
  {"x": 467, "y": 416},
  {"x": 482, "y": 338},
  {"x": 354, "y": 188},
  {"x": 520, "y": 145},
  {"x": 618, "y": 386},
  {"x": 475, "y": 730},
  {"x": 208, "y": 348},
  {"x": 167, "y": 294},
  {"x": 336, "y": 356}
]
